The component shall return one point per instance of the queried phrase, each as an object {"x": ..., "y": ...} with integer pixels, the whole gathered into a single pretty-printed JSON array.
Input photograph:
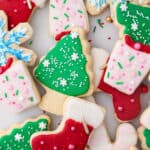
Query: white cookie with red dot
[{"x": 80, "y": 119}]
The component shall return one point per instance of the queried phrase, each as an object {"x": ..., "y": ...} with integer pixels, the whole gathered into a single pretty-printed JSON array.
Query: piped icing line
[
  {"x": 18, "y": 137},
  {"x": 75, "y": 111},
  {"x": 98, "y": 3},
  {"x": 125, "y": 132},
  {"x": 137, "y": 46}
]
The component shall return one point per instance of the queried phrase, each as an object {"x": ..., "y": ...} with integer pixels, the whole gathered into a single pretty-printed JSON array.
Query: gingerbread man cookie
[{"x": 79, "y": 120}]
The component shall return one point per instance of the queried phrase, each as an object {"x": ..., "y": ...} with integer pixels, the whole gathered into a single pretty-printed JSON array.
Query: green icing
[
  {"x": 19, "y": 138},
  {"x": 147, "y": 137},
  {"x": 63, "y": 69},
  {"x": 136, "y": 20}
]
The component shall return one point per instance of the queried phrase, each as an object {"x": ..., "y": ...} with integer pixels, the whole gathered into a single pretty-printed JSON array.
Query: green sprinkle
[
  {"x": 108, "y": 75},
  {"x": 30, "y": 42},
  {"x": 66, "y": 27},
  {"x": 65, "y": 1},
  {"x": 100, "y": 23},
  {"x": 55, "y": 18},
  {"x": 31, "y": 99},
  {"x": 119, "y": 83},
  {"x": 5, "y": 95},
  {"x": 131, "y": 58},
  {"x": 53, "y": 6},
  {"x": 17, "y": 92},
  {"x": 21, "y": 77},
  {"x": 66, "y": 15},
  {"x": 120, "y": 65},
  {"x": 6, "y": 77},
  {"x": 80, "y": 11},
  {"x": 139, "y": 73}
]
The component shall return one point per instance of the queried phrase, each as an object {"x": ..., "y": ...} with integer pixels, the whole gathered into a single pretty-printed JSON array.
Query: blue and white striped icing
[{"x": 98, "y": 3}]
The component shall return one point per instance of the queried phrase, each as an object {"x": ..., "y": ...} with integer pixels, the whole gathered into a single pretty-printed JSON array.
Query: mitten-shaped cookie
[
  {"x": 18, "y": 138},
  {"x": 95, "y": 7},
  {"x": 10, "y": 42},
  {"x": 19, "y": 11},
  {"x": 100, "y": 140},
  {"x": 80, "y": 118},
  {"x": 67, "y": 14},
  {"x": 144, "y": 130},
  {"x": 65, "y": 71}
]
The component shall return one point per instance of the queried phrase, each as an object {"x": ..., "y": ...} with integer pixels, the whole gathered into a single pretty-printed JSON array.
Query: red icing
[
  {"x": 72, "y": 137},
  {"x": 8, "y": 64},
  {"x": 131, "y": 43},
  {"x": 16, "y": 10},
  {"x": 59, "y": 36},
  {"x": 127, "y": 107}
]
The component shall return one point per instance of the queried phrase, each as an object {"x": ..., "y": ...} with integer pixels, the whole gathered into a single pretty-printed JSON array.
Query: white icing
[
  {"x": 145, "y": 118},
  {"x": 39, "y": 3},
  {"x": 100, "y": 58},
  {"x": 126, "y": 138},
  {"x": 81, "y": 110}
]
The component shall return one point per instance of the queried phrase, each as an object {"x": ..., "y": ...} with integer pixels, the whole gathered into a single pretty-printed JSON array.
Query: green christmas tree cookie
[
  {"x": 19, "y": 137},
  {"x": 136, "y": 21},
  {"x": 65, "y": 71}
]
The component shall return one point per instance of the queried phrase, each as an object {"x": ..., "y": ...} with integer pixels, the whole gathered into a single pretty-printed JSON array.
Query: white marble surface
[{"x": 41, "y": 44}]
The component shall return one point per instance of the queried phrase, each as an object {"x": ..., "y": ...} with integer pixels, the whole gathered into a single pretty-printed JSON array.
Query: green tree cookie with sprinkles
[
  {"x": 65, "y": 71},
  {"x": 18, "y": 138}
]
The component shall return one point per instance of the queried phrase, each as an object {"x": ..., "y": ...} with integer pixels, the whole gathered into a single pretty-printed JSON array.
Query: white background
[{"x": 41, "y": 44}]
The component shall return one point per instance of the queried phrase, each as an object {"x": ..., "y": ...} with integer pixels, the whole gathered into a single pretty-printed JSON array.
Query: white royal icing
[
  {"x": 81, "y": 110},
  {"x": 39, "y": 3}
]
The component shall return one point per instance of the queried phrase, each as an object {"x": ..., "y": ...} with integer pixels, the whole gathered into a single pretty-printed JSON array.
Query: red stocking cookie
[
  {"x": 19, "y": 11},
  {"x": 100, "y": 139},
  {"x": 80, "y": 118}
]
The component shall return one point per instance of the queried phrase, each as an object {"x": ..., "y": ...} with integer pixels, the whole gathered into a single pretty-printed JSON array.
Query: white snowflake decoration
[
  {"x": 63, "y": 82},
  {"x": 46, "y": 63},
  {"x": 74, "y": 56},
  {"x": 18, "y": 137},
  {"x": 134, "y": 26},
  {"x": 42, "y": 125},
  {"x": 123, "y": 7},
  {"x": 74, "y": 35}
]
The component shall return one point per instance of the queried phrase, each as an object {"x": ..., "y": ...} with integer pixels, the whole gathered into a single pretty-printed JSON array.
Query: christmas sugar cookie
[
  {"x": 17, "y": 89},
  {"x": 18, "y": 138},
  {"x": 79, "y": 120},
  {"x": 128, "y": 65},
  {"x": 144, "y": 130},
  {"x": 10, "y": 42},
  {"x": 100, "y": 58},
  {"x": 65, "y": 71},
  {"x": 66, "y": 14},
  {"x": 125, "y": 133},
  {"x": 19, "y": 11},
  {"x": 95, "y": 7}
]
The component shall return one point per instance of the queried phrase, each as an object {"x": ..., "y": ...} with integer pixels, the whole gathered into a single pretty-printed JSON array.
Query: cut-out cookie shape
[
  {"x": 10, "y": 41},
  {"x": 95, "y": 7},
  {"x": 80, "y": 118},
  {"x": 100, "y": 140},
  {"x": 19, "y": 11},
  {"x": 18, "y": 137},
  {"x": 134, "y": 20},
  {"x": 144, "y": 130},
  {"x": 67, "y": 14},
  {"x": 128, "y": 65},
  {"x": 17, "y": 89},
  {"x": 100, "y": 58},
  {"x": 65, "y": 71}
]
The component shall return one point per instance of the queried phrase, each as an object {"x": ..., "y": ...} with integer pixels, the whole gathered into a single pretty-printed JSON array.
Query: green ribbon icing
[
  {"x": 63, "y": 69},
  {"x": 19, "y": 138},
  {"x": 136, "y": 20},
  {"x": 147, "y": 137}
]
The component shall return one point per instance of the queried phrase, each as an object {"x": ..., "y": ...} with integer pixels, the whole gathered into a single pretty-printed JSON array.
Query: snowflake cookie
[
  {"x": 10, "y": 41},
  {"x": 80, "y": 119},
  {"x": 18, "y": 138},
  {"x": 65, "y": 71}
]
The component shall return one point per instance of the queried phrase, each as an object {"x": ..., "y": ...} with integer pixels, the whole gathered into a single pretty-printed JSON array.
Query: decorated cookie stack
[{"x": 71, "y": 72}]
